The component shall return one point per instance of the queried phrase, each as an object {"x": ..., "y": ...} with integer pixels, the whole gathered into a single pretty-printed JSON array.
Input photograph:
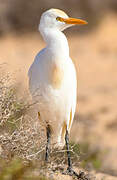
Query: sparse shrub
[{"x": 20, "y": 134}]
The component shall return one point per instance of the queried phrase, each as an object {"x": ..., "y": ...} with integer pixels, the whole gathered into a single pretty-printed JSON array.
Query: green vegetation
[
  {"x": 87, "y": 155},
  {"x": 18, "y": 170}
]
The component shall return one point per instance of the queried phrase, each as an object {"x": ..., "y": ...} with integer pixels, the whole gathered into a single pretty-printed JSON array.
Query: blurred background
[
  {"x": 93, "y": 49},
  {"x": 23, "y": 16}
]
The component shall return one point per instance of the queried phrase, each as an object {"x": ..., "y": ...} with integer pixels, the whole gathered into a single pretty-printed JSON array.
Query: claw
[{"x": 71, "y": 172}]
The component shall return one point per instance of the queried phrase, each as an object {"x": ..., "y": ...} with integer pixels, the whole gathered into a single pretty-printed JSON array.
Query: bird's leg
[
  {"x": 48, "y": 131},
  {"x": 68, "y": 151},
  {"x": 69, "y": 169}
]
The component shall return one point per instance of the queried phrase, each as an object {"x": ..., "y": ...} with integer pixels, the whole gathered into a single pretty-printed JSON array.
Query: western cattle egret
[{"x": 52, "y": 79}]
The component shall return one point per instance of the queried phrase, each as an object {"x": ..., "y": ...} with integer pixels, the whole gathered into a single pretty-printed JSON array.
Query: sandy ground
[{"x": 95, "y": 57}]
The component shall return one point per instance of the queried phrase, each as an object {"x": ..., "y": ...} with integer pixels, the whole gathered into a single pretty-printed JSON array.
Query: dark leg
[
  {"x": 68, "y": 152},
  {"x": 48, "y": 142},
  {"x": 69, "y": 169}
]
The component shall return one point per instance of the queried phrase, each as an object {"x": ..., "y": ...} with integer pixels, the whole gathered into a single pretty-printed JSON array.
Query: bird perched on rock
[{"x": 52, "y": 79}]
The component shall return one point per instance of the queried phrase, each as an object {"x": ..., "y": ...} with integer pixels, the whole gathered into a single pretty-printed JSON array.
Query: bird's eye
[{"x": 58, "y": 18}]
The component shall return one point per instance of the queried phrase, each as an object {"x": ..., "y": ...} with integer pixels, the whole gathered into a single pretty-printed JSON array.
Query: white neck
[{"x": 56, "y": 41}]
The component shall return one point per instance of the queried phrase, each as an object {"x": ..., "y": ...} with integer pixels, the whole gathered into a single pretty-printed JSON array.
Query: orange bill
[{"x": 72, "y": 20}]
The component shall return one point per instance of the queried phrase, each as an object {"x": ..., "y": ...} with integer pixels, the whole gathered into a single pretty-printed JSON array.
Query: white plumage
[{"x": 52, "y": 76}]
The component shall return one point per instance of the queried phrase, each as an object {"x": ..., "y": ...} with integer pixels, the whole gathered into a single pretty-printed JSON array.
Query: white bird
[{"x": 52, "y": 79}]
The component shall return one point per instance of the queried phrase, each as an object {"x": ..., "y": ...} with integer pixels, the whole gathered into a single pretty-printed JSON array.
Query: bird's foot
[
  {"x": 71, "y": 172},
  {"x": 80, "y": 176}
]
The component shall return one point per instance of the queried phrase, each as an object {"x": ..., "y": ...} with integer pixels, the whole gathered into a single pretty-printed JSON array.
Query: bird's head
[{"x": 58, "y": 19}]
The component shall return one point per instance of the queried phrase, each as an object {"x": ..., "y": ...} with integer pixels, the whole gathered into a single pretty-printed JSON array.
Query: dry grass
[{"x": 19, "y": 134}]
